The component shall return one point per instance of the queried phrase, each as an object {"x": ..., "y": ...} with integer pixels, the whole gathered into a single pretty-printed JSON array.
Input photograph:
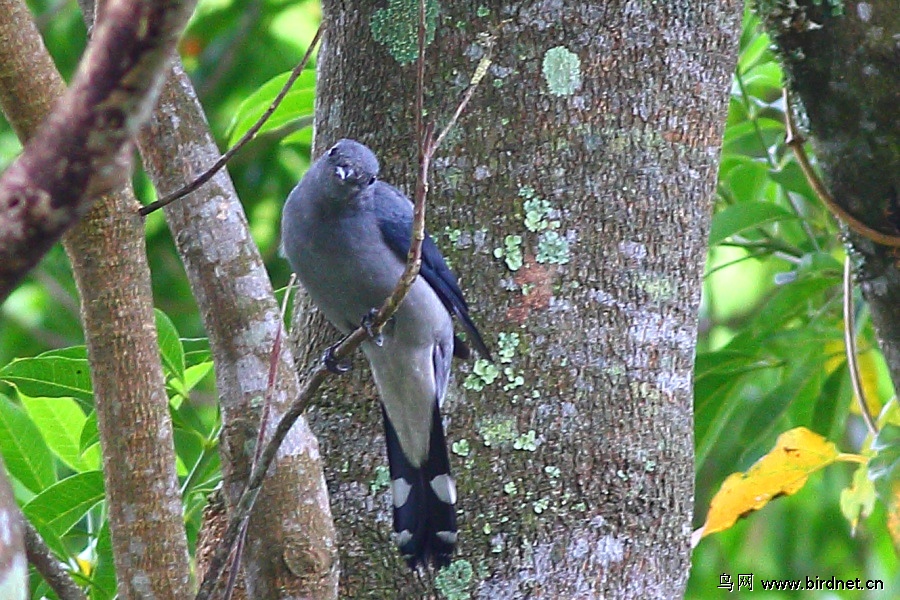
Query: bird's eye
[
  {"x": 333, "y": 151},
  {"x": 371, "y": 180}
]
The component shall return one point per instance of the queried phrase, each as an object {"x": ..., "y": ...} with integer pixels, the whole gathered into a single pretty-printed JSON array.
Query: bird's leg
[
  {"x": 334, "y": 365},
  {"x": 368, "y": 323}
]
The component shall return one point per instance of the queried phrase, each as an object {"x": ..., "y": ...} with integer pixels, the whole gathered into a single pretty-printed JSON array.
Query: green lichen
[
  {"x": 537, "y": 213},
  {"x": 510, "y": 489},
  {"x": 506, "y": 346},
  {"x": 482, "y": 11},
  {"x": 658, "y": 289},
  {"x": 397, "y": 27},
  {"x": 511, "y": 252},
  {"x": 382, "y": 479},
  {"x": 483, "y": 374},
  {"x": 526, "y": 441},
  {"x": 540, "y": 505},
  {"x": 562, "y": 71},
  {"x": 553, "y": 471},
  {"x": 452, "y": 234},
  {"x": 497, "y": 431},
  {"x": 552, "y": 248},
  {"x": 454, "y": 581},
  {"x": 461, "y": 447},
  {"x": 514, "y": 379}
]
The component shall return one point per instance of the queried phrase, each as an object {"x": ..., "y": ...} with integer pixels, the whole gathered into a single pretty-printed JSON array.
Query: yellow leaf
[{"x": 797, "y": 454}]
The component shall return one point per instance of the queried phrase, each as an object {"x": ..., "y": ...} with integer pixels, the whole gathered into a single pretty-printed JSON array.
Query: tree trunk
[
  {"x": 290, "y": 550},
  {"x": 573, "y": 200},
  {"x": 843, "y": 66},
  {"x": 107, "y": 253},
  {"x": 13, "y": 565}
]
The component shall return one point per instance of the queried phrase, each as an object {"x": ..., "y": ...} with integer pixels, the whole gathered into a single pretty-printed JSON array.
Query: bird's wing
[{"x": 394, "y": 213}]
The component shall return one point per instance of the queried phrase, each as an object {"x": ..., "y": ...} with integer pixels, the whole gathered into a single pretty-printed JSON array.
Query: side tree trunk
[
  {"x": 844, "y": 68},
  {"x": 290, "y": 551},
  {"x": 594, "y": 139},
  {"x": 107, "y": 252},
  {"x": 13, "y": 564}
]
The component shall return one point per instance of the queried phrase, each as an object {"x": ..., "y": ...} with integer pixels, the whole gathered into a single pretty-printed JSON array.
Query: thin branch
[
  {"x": 40, "y": 555},
  {"x": 244, "y": 506},
  {"x": 795, "y": 141},
  {"x": 251, "y": 133},
  {"x": 850, "y": 348}
]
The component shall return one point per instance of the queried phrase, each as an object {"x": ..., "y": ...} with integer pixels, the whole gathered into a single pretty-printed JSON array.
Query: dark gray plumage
[{"x": 346, "y": 235}]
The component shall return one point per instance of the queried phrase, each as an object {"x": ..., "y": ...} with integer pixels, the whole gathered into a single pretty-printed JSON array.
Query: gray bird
[{"x": 346, "y": 235}]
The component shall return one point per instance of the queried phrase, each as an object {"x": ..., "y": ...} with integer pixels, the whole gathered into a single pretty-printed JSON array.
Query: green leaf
[
  {"x": 170, "y": 346},
  {"x": 799, "y": 388},
  {"x": 62, "y": 505},
  {"x": 27, "y": 456},
  {"x": 103, "y": 577},
  {"x": 61, "y": 421},
  {"x": 196, "y": 351},
  {"x": 90, "y": 435},
  {"x": 742, "y": 216},
  {"x": 790, "y": 301},
  {"x": 50, "y": 376},
  {"x": 297, "y": 104},
  {"x": 70, "y": 352},
  {"x": 884, "y": 467},
  {"x": 195, "y": 374},
  {"x": 753, "y": 137}
]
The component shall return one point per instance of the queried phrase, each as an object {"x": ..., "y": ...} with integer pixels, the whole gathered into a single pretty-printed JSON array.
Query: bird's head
[{"x": 351, "y": 165}]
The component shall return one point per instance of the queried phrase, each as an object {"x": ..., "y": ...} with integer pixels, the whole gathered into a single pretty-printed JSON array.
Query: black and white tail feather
[{"x": 424, "y": 499}]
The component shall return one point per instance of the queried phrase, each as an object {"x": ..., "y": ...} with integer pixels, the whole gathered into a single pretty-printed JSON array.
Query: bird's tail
[{"x": 424, "y": 499}]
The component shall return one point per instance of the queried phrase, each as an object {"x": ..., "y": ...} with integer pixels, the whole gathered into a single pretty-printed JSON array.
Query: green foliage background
[{"x": 770, "y": 354}]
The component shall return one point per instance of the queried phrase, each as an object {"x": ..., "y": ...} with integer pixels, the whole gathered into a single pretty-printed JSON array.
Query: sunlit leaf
[
  {"x": 50, "y": 376},
  {"x": 62, "y": 505},
  {"x": 25, "y": 452},
  {"x": 61, "y": 421},
  {"x": 297, "y": 104},
  {"x": 170, "y": 348}
]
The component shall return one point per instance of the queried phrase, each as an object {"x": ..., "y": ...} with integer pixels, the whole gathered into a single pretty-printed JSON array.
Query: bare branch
[
  {"x": 48, "y": 566},
  {"x": 77, "y": 150},
  {"x": 247, "y": 137}
]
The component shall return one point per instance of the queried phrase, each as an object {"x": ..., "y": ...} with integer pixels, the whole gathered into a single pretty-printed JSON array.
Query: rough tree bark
[
  {"x": 574, "y": 201},
  {"x": 107, "y": 253},
  {"x": 77, "y": 154},
  {"x": 842, "y": 64},
  {"x": 291, "y": 550}
]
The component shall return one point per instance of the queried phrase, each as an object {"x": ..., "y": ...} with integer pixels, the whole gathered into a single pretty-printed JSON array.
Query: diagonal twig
[
  {"x": 850, "y": 348},
  {"x": 48, "y": 566},
  {"x": 251, "y": 133}
]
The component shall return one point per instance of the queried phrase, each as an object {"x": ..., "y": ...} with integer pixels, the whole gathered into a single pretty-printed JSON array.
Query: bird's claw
[
  {"x": 333, "y": 364},
  {"x": 368, "y": 323}
]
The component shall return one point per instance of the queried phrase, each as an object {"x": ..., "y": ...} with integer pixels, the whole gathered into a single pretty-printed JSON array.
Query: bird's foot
[
  {"x": 368, "y": 323},
  {"x": 338, "y": 367}
]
